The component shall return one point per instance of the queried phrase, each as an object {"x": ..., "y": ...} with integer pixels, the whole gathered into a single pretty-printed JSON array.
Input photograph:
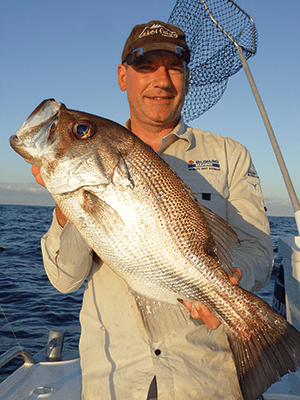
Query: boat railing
[
  {"x": 15, "y": 352},
  {"x": 53, "y": 351}
]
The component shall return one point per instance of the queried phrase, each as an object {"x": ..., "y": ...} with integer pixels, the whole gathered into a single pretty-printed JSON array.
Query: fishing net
[{"x": 213, "y": 28}]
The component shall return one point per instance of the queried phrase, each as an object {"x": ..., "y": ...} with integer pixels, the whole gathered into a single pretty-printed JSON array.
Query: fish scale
[{"x": 145, "y": 223}]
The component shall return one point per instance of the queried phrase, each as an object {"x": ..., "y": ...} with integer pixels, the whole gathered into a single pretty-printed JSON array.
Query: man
[{"x": 118, "y": 359}]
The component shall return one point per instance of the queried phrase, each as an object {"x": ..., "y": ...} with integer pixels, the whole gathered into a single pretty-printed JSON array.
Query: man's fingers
[
  {"x": 37, "y": 174},
  {"x": 35, "y": 169},
  {"x": 200, "y": 311},
  {"x": 236, "y": 276}
]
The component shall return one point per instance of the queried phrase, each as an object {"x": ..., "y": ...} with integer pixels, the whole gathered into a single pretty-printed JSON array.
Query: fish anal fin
[
  {"x": 160, "y": 318},
  {"x": 103, "y": 213}
]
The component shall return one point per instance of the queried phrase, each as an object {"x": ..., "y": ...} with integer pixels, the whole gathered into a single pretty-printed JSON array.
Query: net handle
[
  {"x": 253, "y": 51},
  {"x": 273, "y": 140}
]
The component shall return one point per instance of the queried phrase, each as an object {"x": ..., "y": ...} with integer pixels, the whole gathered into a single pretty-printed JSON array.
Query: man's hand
[
  {"x": 200, "y": 311},
  {"x": 36, "y": 171}
]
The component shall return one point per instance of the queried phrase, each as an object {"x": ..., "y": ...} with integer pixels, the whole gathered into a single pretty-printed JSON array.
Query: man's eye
[
  {"x": 176, "y": 70},
  {"x": 144, "y": 68}
]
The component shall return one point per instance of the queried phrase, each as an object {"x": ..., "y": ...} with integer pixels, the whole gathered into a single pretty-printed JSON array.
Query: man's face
[{"x": 156, "y": 86}]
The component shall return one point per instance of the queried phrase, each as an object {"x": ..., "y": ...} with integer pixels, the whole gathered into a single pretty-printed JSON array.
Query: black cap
[{"x": 155, "y": 35}]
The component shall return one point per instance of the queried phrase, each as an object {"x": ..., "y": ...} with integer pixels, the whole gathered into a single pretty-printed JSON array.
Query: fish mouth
[{"x": 37, "y": 134}]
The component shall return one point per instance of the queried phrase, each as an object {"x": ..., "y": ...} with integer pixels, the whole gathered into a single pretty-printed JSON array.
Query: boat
[
  {"x": 51, "y": 373},
  {"x": 288, "y": 388}
]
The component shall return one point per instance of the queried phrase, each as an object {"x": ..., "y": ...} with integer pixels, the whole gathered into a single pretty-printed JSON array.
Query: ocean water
[{"x": 30, "y": 306}]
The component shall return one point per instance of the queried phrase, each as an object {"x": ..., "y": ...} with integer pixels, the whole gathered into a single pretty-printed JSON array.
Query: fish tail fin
[{"x": 269, "y": 350}]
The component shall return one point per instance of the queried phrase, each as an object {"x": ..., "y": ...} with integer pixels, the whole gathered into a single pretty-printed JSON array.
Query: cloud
[
  {"x": 35, "y": 195},
  {"x": 279, "y": 206},
  {"x": 21, "y": 187},
  {"x": 25, "y": 194}
]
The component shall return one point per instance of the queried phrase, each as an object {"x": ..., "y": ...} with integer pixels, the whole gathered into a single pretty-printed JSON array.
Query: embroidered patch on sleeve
[{"x": 252, "y": 173}]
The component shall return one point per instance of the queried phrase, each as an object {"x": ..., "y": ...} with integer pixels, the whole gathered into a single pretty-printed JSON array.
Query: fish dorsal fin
[
  {"x": 160, "y": 318},
  {"x": 226, "y": 240}
]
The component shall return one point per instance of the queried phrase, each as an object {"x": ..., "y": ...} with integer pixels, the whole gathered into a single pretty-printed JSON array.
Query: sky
[{"x": 69, "y": 50}]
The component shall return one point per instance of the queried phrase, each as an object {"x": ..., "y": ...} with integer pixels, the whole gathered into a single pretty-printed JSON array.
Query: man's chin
[{"x": 164, "y": 118}]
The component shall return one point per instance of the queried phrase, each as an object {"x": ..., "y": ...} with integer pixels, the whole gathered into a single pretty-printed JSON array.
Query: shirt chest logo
[{"x": 203, "y": 165}]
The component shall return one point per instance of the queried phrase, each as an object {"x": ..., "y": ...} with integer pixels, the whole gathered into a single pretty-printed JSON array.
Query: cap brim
[{"x": 149, "y": 47}]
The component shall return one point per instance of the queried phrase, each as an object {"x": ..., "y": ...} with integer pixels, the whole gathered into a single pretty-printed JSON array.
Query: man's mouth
[{"x": 160, "y": 98}]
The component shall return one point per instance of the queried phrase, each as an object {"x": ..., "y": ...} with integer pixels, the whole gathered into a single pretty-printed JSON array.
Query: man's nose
[{"x": 162, "y": 78}]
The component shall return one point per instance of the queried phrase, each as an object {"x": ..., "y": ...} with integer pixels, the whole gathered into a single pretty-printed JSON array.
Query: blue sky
[{"x": 69, "y": 50}]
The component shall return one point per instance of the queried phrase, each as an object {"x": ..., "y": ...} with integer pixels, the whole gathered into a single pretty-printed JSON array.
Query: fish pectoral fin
[
  {"x": 101, "y": 211},
  {"x": 160, "y": 318},
  {"x": 121, "y": 177}
]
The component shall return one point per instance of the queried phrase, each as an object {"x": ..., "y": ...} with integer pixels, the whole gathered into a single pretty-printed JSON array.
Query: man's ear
[
  {"x": 122, "y": 77},
  {"x": 187, "y": 80}
]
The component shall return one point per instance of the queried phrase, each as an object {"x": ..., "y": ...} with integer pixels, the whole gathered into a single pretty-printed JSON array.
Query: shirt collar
[{"x": 181, "y": 131}]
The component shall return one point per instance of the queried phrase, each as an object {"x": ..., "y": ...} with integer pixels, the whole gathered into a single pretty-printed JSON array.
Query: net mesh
[{"x": 214, "y": 56}]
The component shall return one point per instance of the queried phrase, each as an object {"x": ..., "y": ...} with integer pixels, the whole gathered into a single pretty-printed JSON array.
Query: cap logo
[{"x": 157, "y": 29}]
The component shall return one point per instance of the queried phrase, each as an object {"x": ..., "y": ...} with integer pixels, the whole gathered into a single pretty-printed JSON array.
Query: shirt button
[{"x": 157, "y": 352}]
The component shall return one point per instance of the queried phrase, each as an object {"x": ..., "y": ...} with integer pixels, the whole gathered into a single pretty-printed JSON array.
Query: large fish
[{"x": 145, "y": 223}]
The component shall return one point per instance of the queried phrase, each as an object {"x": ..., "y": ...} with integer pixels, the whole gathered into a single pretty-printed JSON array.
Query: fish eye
[{"x": 83, "y": 129}]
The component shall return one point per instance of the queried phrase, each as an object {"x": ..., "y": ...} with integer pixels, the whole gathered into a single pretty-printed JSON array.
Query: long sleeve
[
  {"x": 67, "y": 258},
  {"x": 247, "y": 216}
]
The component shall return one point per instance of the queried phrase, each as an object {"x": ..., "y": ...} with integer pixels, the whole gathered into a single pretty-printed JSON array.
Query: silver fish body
[{"x": 145, "y": 223}]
